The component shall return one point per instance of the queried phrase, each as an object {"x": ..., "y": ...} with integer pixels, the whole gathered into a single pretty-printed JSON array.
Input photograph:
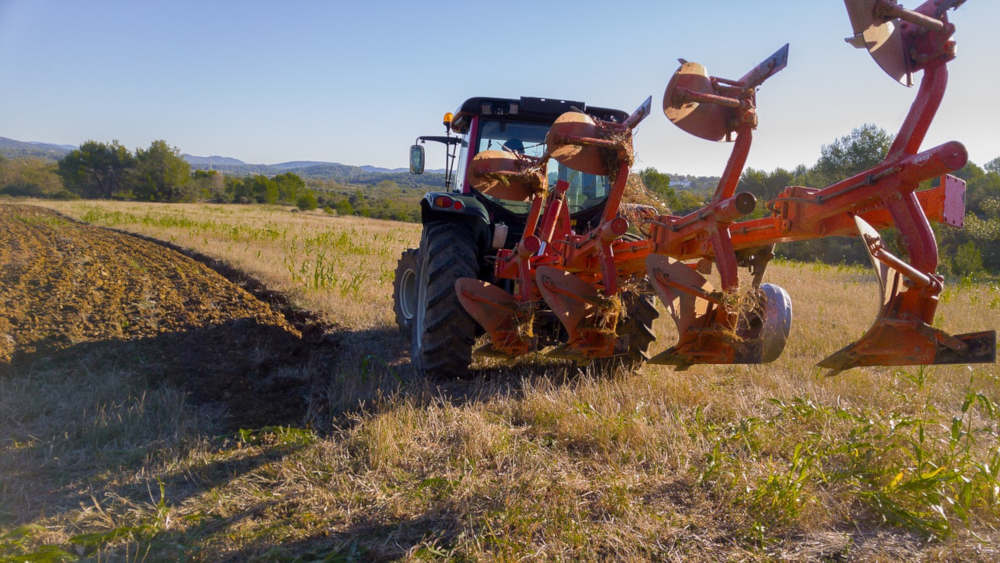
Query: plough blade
[
  {"x": 589, "y": 318},
  {"x": 498, "y": 312},
  {"x": 710, "y": 331},
  {"x": 679, "y": 287},
  {"x": 899, "y": 342},
  {"x": 900, "y": 335}
]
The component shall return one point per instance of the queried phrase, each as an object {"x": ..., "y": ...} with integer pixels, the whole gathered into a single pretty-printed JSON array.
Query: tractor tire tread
[
  {"x": 449, "y": 332},
  {"x": 408, "y": 261}
]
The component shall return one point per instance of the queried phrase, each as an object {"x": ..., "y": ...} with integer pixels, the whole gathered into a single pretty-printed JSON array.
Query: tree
[
  {"x": 97, "y": 169},
  {"x": 307, "y": 201},
  {"x": 980, "y": 188},
  {"x": 161, "y": 174},
  {"x": 993, "y": 166},
  {"x": 658, "y": 183},
  {"x": 862, "y": 149},
  {"x": 343, "y": 206},
  {"x": 290, "y": 186},
  {"x": 209, "y": 185},
  {"x": 239, "y": 190},
  {"x": 685, "y": 202},
  {"x": 31, "y": 177},
  {"x": 679, "y": 202},
  {"x": 968, "y": 260},
  {"x": 765, "y": 185},
  {"x": 264, "y": 189}
]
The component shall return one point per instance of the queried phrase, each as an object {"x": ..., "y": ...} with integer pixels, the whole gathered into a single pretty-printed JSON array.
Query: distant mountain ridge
[
  {"x": 214, "y": 160},
  {"x": 13, "y": 148},
  {"x": 343, "y": 173},
  {"x": 311, "y": 167}
]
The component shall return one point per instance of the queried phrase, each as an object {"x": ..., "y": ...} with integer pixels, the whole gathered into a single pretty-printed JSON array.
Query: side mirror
[{"x": 416, "y": 159}]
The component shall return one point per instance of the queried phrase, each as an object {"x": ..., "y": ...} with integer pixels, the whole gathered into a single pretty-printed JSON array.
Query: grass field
[{"x": 523, "y": 462}]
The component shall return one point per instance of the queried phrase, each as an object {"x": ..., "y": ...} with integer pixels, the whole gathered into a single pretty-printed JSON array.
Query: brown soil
[{"x": 74, "y": 295}]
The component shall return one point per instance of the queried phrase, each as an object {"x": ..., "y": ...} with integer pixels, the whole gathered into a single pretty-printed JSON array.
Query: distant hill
[
  {"x": 12, "y": 148},
  {"x": 214, "y": 160},
  {"x": 311, "y": 168},
  {"x": 335, "y": 171}
]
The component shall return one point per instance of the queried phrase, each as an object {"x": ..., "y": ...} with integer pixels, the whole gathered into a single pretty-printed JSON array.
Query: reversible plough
[{"x": 580, "y": 277}]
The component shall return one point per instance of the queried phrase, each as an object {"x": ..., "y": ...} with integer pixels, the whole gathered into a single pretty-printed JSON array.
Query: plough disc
[
  {"x": 882, "y": 38},
  {"x": 705, "y": 120},
  {"x": 579, "y": 142}
]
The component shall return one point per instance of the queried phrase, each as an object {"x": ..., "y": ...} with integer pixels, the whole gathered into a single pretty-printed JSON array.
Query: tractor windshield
[{"x": 585, "y": 190}]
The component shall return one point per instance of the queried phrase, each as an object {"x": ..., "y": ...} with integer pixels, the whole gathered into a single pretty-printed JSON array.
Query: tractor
[
  {"x": 532, "y": 244},
  {"x": 464, "y": 228}
]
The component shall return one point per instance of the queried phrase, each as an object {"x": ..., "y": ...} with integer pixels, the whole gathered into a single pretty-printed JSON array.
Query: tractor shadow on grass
[
  {"x": 258, "y": 373},
  {"x": 74, "y": 420},
  {"x": 100, "y": 426},
  {"x": 371, "y": 539},
  {"x": 96, "y": 427},
  {"x": 351, "y": 370},
  {"x": 372, "y": 371}
]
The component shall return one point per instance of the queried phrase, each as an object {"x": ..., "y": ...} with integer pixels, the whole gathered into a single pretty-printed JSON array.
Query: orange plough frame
[{"x": 577, "y": 277}]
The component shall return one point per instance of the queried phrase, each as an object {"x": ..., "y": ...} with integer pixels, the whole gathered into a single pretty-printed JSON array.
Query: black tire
[
  {"x": 404, "y": 290},
  {"x": 442, "y": 332}
]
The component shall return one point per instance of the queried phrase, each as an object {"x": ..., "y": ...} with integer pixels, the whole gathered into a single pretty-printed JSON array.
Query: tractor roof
[{"x": 544, "y": 110}]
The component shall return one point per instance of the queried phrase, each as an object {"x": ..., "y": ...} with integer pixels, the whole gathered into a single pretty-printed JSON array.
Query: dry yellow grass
[{"x": 718, "y": 462}]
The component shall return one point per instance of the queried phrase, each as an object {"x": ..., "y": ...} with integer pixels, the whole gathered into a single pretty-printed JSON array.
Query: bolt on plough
[{"x": 594, "y": 273}]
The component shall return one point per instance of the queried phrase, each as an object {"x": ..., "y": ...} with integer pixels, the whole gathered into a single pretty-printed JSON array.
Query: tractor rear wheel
[
  {"x": 442, "y": 333},
  {"x": 404, "y": 290}
]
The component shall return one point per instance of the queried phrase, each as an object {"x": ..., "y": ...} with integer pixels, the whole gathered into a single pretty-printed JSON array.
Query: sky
[{"x": 357, "y": 82}]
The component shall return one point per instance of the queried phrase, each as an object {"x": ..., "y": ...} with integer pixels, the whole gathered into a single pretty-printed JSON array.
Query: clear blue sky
[{"x": 355, "y": 82}]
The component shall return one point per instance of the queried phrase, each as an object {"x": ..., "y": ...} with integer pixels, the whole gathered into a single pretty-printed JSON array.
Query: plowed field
[{"x": 70, "y": 291}]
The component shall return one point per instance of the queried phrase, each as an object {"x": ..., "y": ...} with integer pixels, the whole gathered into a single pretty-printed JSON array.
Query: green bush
[
  {"x": 307, "y": 201},
  {"x": 968, "y": 260}
]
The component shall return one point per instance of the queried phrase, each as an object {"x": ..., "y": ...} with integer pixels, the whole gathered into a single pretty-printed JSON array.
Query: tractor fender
[
  {"x": 470, "y": 207},
  {"x": 470, "y": 212}
]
